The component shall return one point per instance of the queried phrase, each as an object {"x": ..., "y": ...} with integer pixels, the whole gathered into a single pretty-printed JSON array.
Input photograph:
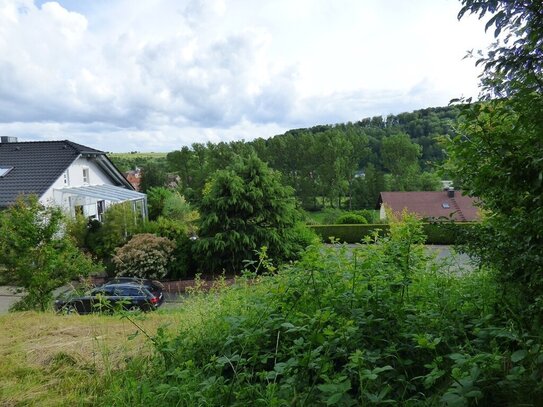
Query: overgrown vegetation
[
  {"x": 383, "y": 324},
  {"x": 497, "y": 155}
]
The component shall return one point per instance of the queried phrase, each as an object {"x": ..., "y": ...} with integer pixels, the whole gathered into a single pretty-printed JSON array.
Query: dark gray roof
[{"x": 36, "y": 165}]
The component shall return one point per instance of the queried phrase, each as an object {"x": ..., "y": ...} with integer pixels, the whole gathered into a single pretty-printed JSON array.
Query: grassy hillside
[
  {"x": 137, "y": 155},
  {"x": 62, "y": 360}
]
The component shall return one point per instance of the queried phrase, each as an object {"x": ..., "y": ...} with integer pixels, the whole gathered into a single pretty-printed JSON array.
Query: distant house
[
  {"x": 134, "y": 177},
  {"x": 448, "y": 204},
  {"x": 77, "y": 178}
]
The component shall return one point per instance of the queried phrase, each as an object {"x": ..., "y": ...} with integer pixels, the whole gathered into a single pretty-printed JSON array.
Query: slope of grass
[
  {"x": 379, "y": 324},
  {"x": 61, "y": 360}
]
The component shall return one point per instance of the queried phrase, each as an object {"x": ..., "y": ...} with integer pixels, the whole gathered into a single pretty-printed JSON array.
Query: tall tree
[
  {"x": 515, "y": 62},
  {"x": 400, "y": 156},
  {"x": 244, "y": 208},
  {"x": 497, "y": 154},
  {"x": 153, "y": 176}
]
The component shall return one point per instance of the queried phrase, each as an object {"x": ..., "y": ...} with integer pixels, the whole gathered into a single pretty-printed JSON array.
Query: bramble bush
[
  {"x": 145, "y": 256},
  {"x": 380, "y": 324}
]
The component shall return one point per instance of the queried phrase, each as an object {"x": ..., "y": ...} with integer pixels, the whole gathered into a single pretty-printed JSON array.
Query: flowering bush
[{"x": 145, "y": 256}]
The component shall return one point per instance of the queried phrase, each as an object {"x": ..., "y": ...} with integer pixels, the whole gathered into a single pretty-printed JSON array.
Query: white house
[{"x": 77, "y": 178}]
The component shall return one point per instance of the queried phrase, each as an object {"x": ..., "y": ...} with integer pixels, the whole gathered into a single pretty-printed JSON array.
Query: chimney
[
  {"x": 6, "y": 139},
  {"x": 450, "y": 192}
]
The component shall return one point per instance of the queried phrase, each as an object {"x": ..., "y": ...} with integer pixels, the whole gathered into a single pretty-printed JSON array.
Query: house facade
[
  {"x": 433, "y": 205},
  {"x": 77, "y": 178}
]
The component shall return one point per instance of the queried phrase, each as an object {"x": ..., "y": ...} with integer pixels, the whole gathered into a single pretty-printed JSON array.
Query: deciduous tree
[{"x": 36, "y": 255}]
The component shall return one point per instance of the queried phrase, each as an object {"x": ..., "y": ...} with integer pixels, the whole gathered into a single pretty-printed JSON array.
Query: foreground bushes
[{"x": 382, "y": 324}]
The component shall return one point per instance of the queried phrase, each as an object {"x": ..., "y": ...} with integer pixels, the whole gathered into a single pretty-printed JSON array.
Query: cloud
[
  {"x": 131, "y": 73},
  {"x": 131, "y": 81}
]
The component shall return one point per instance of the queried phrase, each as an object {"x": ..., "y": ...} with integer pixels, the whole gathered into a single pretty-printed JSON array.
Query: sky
[{"x": 156, "y": 75}]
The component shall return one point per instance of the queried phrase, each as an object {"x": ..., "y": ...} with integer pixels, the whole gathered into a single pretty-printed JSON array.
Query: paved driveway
[{"x": 7, "y": 298}]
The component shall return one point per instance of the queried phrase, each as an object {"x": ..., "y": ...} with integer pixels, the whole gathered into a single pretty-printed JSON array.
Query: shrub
[
  {"x": 118, "y": 226},
  {"x": 36, "y": 255},
  {"x": 351, "y": 218},
  {"x": 348, "y": 233},
  {"x": 372, "y": 216},
  {"x": 183, "y": 263},
  {"x": 329, "y": 215},
  {"x": 145, "y": 256}
]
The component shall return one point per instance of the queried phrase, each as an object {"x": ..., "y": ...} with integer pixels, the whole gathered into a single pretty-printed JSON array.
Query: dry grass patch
[{"x": 53, "y": 360}]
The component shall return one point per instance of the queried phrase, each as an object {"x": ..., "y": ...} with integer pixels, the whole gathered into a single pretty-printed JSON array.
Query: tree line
[{"x": 342, "y": 165}]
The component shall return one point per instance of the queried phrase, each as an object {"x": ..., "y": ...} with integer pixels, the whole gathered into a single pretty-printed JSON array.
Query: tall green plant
[
  {"x": 244, "y": 208},
  {"x": 36, "y": 255},
  {"x": 497, "y": 157}
]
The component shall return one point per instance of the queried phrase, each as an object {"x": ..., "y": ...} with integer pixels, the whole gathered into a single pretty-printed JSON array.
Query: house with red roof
[{"x": 447, "y": 204}]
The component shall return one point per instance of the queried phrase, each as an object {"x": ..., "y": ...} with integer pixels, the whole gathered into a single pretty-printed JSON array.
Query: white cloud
[{"x": 159, "y": 74}]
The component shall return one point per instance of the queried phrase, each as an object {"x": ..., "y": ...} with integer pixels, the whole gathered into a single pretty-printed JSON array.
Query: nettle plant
[{"x": 145, "y": 255}]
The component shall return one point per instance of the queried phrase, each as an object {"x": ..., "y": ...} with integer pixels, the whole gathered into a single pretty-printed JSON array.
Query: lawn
[{"x": 58, "y": 360}]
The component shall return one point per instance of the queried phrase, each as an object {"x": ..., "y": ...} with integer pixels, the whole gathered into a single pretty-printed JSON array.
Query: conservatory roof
[{"x": 105, "y": 192}]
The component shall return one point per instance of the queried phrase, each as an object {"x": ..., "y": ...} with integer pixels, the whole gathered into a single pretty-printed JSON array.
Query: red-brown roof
[
  {"x": 432, "y": 204},
  {"x": 134, "y": 179}
]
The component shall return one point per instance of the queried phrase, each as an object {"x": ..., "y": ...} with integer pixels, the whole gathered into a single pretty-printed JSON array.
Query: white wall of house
[
  {"x": 73, "y": 177},
  {"x": 382, "y": 212}
]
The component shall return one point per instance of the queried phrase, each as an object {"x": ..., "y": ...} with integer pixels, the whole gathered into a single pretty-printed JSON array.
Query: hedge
[{"x": 437, "y": 233}]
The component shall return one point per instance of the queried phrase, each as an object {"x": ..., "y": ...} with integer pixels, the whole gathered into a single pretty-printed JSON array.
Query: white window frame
[
  {"x": 86, "y": 175},
  {"x": 4, "y": 171}
]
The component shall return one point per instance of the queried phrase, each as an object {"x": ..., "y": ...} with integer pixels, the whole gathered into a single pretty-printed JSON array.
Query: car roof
[{"x": 121, "y": 285}]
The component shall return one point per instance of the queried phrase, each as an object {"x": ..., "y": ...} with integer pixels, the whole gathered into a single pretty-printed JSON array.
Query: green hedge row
[{"x": 438, "y": 233}]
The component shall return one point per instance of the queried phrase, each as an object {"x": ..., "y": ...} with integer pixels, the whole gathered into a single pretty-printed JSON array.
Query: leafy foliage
[
  {"x": 515, "y": 62},
  {"x": 244, "y": 208},
  {"x": 119, "y": 224},
  {"x": 383, "y": 324},
  {"x": 35, "y": 255},
  {"x": 145, "y": 256},
  {"x": 325, "y": 165},
  {"x": 497, "y": 155},
  {"x": 351, "y": 219}
]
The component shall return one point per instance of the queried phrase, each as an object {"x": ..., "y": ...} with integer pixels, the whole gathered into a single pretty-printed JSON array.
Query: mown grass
[{"x": 48, "y": 359}]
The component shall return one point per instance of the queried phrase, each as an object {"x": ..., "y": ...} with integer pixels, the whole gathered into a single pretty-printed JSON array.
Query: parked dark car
[
  {"x": 111, "y": 297},
  {"x": 155, "y": 287}
]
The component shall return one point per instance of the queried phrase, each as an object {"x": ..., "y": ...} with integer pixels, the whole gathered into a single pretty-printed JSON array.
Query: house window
[
  {"x": 445, "y": 205},
  {"x": 86, "y": 176},
  {"x": 4, "y": 171},
  {"x": 65, "y": 178}
]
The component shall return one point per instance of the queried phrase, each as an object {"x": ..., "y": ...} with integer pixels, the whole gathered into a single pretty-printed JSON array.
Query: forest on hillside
[{"x": 342, "y": 165}]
